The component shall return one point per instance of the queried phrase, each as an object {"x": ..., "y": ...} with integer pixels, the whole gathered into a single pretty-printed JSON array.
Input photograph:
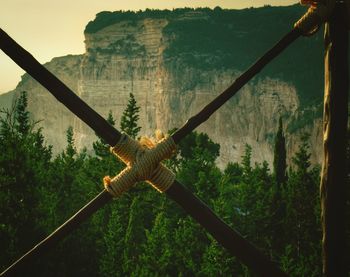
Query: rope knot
[
  {"x": 143, "y": 164},
  {"x": 318, "y": 12}
]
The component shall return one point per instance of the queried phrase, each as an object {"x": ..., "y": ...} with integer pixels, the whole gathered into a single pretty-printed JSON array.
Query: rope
[
  {"x": 143, "y": 164},
  {"x": 318, "y": 12}
]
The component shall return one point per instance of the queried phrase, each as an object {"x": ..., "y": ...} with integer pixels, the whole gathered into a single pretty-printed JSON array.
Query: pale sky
[{"x": 49, "y": 29}]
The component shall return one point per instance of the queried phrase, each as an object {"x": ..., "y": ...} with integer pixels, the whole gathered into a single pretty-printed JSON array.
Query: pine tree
[
  {"x": 197, "y": 165},
  {"x": 128, "y": 122},
  {"x": 70, "y": 148},
  {"x": 302, "y": 219},
  {"x": 111, "y": 259},
  {"x": 24, "y": 163},
  {"x": 279, "y": 160},
  {"x": 72, "y": 187},
  {"x": 22, "y": 115},
  {"x": 135, "y": 234},
  {"x": 278, "y": 206},
  {"x": 190, "y": 242},
  {"x": 158, "y": 255},
  {"x": 246, "y": 160},
  {"x": 66, "y": 172}
]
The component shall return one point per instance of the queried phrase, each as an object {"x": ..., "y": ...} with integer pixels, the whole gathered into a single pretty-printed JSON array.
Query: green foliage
[
  {"x": 229, "y": 39},
  {"x": 197, "y": 165},
  {"x": 106, "y": 18},
  {"x": 22, "y": 115},
  {"x": 24, "y": 162},
  {"x": 126, "y": 46},
  {"x": 221, "y": 39},
  {"x": 135, "y": 234},
  {"x": 158, "y": 254},
  {"x": 302, "y": 215},
  {"x": 142, "y": 233},
  {"x": 246, "y": 160},
  {"x": 128, "y": 122},
  {"x": 280, "y": 156}
]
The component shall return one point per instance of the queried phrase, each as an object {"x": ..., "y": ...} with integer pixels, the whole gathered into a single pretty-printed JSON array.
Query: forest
[{"x": 143, "y": 233}]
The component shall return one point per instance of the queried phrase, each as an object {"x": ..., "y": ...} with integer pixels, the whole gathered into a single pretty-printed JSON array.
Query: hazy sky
[{"x": 50, "y": 29}]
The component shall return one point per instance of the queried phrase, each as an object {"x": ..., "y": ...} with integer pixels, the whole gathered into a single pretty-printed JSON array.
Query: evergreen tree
[
  {"x": 229, "y": 182},
  {"x": 302, "y": 223},
  {"x": 22, "y": 115},
  {"x": 279, "y": 158},
  {"x": 68, "y": 167},
  {"x": 158, "y": 254},
  {"x": 190, "y": 242},
  {"x": 111, "y": 257},
  {"x": 128, "y": 122},
  {"x": 246, "y": 160},
  {"x": 78, "y": 254},
  {"x": 113, "y": 219},
  {"x": 24, "y": 162},
  {"x": 135, "y": 234},
  {"x": 197, "y": 165},
  {"x": 251, "y": 199},
  {"x": 278, "y": 206},
  {"x": 216, "y": 261},
  {"x": 146, "y": 235},
  {"x": 244, "y": 200},
  {"x": 70, "y": 148}
]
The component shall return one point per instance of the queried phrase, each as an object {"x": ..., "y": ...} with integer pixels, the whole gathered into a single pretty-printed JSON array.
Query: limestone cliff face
[
  {"x": 128, "y": 57},
  {"x": 44, "y": 108}
]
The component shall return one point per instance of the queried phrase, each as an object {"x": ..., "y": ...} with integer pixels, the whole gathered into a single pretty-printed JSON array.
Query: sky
[{"x": 49, "y": 29}]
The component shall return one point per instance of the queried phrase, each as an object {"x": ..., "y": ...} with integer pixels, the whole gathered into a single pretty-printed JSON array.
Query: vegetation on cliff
[{"x": 209, "y": 39}]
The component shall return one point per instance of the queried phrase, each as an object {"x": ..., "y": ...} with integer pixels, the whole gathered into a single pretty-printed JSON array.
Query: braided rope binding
[
  {"x": 318, "y": 12},
  {"x": 143, "y": 164}
]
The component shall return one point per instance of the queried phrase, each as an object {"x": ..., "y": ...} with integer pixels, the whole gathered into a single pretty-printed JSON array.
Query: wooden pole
[
  {"x": 234, "y": 243},
  {"x": 223, "y": 97},
  {"x": 18, "y": 268},
  {"x": 228, "y": 237},
  {"x": 58, "y": 89},
  {"x": 333, "y": 177}
]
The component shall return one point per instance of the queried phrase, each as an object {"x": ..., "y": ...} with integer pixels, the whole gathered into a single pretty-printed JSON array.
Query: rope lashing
[
  {"x": 143, "y": 164},
  {"x": 318, "y": 12}
]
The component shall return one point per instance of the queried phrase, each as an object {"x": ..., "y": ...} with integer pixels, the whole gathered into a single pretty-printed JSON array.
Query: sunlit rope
[
  {"x": 318, "y": 12},
  {"x": 143, "y": 164}
]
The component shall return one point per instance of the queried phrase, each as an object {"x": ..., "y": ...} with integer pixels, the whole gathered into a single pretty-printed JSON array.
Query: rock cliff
[{"x": 149, "y": 54}]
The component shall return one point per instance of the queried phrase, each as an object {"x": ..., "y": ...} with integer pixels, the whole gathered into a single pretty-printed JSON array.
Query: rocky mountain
[{"x": 175, "y": 62}]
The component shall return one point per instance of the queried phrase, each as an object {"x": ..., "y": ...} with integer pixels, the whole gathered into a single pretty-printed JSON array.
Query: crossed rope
[{"x": 144, "y": 163}]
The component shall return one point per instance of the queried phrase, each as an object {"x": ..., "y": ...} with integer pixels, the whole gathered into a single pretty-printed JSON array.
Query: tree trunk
[{"x": 333, "y": 179}]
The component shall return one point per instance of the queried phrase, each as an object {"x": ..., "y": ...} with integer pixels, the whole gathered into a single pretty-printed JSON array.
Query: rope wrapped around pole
[
  {"x": 334, "y": 180},
  {"x": 143, "y": 164},
  {"x": 318, "y": 13},
  {"x": 336, "y": 14},
  {"x": 234, "y": 242}
]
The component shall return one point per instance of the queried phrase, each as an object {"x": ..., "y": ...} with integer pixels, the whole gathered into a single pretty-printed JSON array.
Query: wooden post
[
  {"x": 228, "y": 237},
  {"x": 333, "y": 179}
]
